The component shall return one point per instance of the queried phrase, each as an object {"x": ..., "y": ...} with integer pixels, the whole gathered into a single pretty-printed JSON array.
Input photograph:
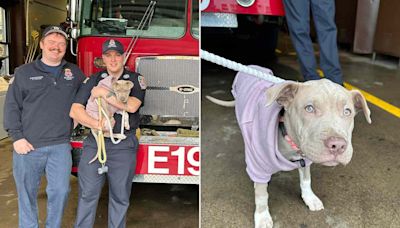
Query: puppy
[
  {"x": 122, "y": 89},
  {"x": 288, "y": 126}
]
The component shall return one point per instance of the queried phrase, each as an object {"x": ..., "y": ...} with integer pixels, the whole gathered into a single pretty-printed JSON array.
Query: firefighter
[
  {"x": 121, "y": 157},
  {"x": 36, "y": 118},
  {"x": 298, "y": 19}
]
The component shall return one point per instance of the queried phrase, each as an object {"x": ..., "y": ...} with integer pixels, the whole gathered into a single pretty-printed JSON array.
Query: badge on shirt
[
  {"x": 142, "y": 82},
  {"x": 35, "y": 78},
  {"x": 68, "y": 74},
  {"x": 126, "y": 76},
  {"x": 104, "y": 75},
  {"x": 111, "y": 44}
]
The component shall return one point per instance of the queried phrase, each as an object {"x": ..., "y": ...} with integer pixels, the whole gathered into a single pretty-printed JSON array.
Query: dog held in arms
[
  {"x": 290, "y": 125},
  {"x": 121, "y": 89}
]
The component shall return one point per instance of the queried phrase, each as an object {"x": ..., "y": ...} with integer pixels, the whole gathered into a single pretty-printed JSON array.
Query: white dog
[{"x": 288, "y": 126}]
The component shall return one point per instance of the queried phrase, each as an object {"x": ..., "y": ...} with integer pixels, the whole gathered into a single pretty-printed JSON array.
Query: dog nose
[{"x": 336, "y": 145}]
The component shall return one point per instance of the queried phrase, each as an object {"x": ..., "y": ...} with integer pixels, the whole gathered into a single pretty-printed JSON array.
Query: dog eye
[
  {"x": 309, "y": 108},
  {"x": 347, "y": 112}
]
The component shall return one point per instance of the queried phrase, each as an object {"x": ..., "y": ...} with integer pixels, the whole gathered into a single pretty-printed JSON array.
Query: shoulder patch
[{"x": 142, "y": 82}]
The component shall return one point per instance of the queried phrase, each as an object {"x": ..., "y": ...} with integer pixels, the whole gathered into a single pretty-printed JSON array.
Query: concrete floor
[
  {"x": 365, "y": 193},
  {"x": 152, "y": 205}
]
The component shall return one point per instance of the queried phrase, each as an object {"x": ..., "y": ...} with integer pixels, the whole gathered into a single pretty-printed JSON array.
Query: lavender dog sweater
[
  {"x": 92, "y": 107},
  {"x": 259, "y": 126}
]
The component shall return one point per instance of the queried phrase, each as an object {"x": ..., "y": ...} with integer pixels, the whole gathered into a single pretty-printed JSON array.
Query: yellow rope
[{"x": 101, "y": 147}]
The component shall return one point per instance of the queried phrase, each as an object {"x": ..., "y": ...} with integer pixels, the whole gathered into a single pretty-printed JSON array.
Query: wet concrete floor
[
  {"x": 152, "y": 205},
  {"x": 365, "y": 193}
]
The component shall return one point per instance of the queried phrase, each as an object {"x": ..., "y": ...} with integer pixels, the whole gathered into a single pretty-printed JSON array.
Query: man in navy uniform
[
  {"x": 121, "y": 158},
  {"x": 36, "y": 118}
]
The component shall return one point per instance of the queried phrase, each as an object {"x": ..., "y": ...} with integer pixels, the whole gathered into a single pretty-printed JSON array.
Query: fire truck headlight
[
  {"x": 245, "y": 3},
  {"x": 204, "y": 4}
]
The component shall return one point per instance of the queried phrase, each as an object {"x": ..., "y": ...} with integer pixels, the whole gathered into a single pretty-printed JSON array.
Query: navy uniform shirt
[
  {"x": 137, "y": 91},
  {"x": 38, "y": 103}
]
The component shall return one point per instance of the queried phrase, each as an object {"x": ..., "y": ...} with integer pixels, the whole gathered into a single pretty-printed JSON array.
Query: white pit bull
[{"x": 315, "y": 126}]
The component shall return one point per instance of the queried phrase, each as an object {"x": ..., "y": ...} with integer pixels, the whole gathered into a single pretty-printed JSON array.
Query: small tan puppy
[{"x": 122, "y": 89}]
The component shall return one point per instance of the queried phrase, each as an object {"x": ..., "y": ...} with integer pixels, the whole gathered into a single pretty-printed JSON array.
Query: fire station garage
[
  {"x": 165, "y": 191},
  {"x": 362, "y": 193}
]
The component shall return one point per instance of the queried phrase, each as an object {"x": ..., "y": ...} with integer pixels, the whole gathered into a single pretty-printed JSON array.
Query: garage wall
[
  {"x": 3, "y": 133},
  {"x": 43, "y": 12},
  {"x": 387, "y": 35}
]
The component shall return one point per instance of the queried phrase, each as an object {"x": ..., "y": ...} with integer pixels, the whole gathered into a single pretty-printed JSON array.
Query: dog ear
[
  {"x": 115, "y": 86},
  {"x": 129, "y": 84},
  {"x": 282, "y": 93},
  {"x": 360, "y": 104}
]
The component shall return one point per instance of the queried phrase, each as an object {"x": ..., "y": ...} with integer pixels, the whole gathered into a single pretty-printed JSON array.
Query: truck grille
[{"x": 172, "y": 85}]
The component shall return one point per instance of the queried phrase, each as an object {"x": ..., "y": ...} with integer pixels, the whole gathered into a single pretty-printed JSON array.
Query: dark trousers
[
  {"x": 121, "y": 162},
  {"x": 298, "y": 20}
]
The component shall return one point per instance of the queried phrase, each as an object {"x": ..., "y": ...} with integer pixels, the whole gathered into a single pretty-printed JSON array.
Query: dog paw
[
  {"x": 263, "y": 220},
  {"x": 312, "y": 201}
]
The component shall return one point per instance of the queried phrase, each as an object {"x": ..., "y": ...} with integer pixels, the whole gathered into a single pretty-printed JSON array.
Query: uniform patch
[
  {"x": 126, "y": 76},
  {"x": 104, "y": 75},
  {"x": 87, "y": 79},
  {"x": 68, "y": 74},
  {"x": 111, "y": 44},
  {"x": 35, "y": 78},
  {"x": 142, "y": 82}
]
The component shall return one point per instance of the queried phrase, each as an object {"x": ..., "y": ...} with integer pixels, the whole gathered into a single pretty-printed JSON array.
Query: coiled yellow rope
[{"x": 101, "y": 147}]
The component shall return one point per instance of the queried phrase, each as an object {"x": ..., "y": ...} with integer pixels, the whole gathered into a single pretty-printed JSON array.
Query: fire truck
[
  {"x": 162, "y": 44},
  {"x": 231, "y": 8},
  {"x": 251, "y": 25}
]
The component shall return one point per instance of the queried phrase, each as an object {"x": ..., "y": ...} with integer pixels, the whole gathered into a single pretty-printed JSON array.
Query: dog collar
[{"x": 290, "y": 141}]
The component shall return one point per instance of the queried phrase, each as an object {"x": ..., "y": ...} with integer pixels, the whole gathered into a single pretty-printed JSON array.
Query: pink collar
[
  {"x": 288, "y": 139},
  {"x": 291, "y": 143}
]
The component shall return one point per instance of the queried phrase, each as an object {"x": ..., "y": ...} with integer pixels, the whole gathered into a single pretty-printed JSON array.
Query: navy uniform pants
[
  {"x": 121, "y": 162},
  {"x": 298, "y": 20}
]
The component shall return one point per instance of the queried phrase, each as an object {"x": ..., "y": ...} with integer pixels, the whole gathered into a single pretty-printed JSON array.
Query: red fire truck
[
  {"x": 234, "y": 7},
  {"x": 251, "y": 25},
  {"x": 162, "y": 41}
]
